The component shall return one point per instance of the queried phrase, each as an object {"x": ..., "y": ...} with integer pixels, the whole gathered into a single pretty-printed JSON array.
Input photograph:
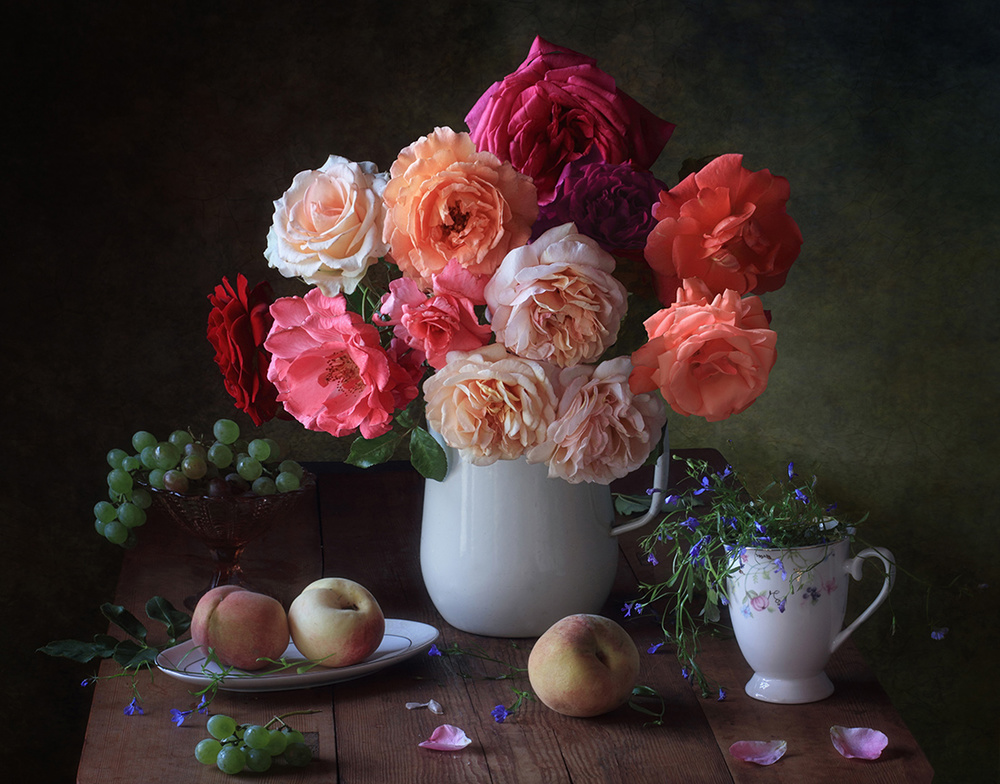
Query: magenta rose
[
  {"x": 610, "y": 203},
  {"x": 558, "y": 106},
  {"x": 330, "y": 369}
]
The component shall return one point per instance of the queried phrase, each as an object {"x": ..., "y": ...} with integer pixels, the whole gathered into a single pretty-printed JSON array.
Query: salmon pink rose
[
  {"x": 327, "y": 228},
  {"x": 447, "y": 201},
  {"x": 434, "y": 324},
  {"x": 330, "y": 369},
  {"x": 602, "y": 431},
  {"x": 556, "y": 299},
  {"x": 708, "y": 358},
  {"x": 492, "y": 406},
  {"x": 557, "y": 107},
  {"x": 727, "y": 226}
]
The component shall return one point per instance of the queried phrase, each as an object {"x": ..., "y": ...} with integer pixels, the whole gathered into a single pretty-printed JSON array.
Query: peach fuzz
[{"x": 241, "y": 626}]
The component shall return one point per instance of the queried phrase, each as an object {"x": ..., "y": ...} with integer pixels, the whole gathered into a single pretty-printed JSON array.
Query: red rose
[
  {"x": 726, "y": 226},
  {"x": 237, "y": 326},
  {"x": 558, "y": 107}
]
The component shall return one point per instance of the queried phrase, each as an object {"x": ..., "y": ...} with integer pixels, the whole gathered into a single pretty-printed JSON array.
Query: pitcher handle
[
  {"x": 853, "y": 567},
  {"x": 660, "y": 477}
]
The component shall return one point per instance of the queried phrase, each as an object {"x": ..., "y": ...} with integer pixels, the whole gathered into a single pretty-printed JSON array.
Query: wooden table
[{"x": 365, "y": 525}]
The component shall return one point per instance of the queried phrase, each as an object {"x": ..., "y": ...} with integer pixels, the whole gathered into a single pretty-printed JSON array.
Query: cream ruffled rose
[
  {"x": 327, "y": 228},
  {"x": 447, "y": 201},
  {"x": 492, "y": 406},
  {"x": 602, "y": 431},
  {"x": 556, "y": 299}
]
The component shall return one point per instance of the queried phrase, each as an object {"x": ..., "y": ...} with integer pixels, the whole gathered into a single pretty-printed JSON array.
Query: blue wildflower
[
  {"x": 801, "y": 496},
  {"x": 133, "y": 708},
  {"x": 87, "y": 681},
  {"x": 500, "y": 714},
  {"x": 685, "y": 673},
  {"x": 696, "y": 547},
  {"x": 779, "y": 567},
  {"x": 939, "y": 633},
  {"x": 654, "y": 647},
  {"x": 178, "y": 716},
  {"x": 691, "y": 523},
  {"x": 652, "y": 559},
  {"x": 791, "y": 471},
  {"x": 433, "y": 651},
  {"x": 631, "y": 607},
  {"x": 722, "y": 694}
]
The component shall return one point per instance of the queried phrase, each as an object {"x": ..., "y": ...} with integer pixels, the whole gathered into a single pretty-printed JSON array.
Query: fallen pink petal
[
  {"x": 858, "y": 742},
  {"x": 760, "y": 752},
  {"x": 446, "y": 738}
]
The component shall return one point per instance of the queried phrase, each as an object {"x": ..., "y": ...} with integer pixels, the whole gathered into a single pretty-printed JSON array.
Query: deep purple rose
[{"x": 610, "y": 203}]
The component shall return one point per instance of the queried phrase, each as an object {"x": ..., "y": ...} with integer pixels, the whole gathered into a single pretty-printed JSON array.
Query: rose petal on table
[
  {"x": 760, "y": 752},
  {"x": 446, "y": 738},
  {"x": 433, "y": 706},
  {"x": 858, "y": 742}
]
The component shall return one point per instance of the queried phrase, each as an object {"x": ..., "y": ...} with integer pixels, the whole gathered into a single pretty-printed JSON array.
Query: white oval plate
[{"x": 402, "y": 639}]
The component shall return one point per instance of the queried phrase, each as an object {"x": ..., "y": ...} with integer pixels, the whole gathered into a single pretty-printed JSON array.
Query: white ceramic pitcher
[
  {"x": 506, "y": 552},
  {"x": 788, "y": 607}
]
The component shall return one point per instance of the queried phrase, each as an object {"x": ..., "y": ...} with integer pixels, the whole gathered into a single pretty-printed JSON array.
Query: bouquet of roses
[{"x": 481, "y": 284}]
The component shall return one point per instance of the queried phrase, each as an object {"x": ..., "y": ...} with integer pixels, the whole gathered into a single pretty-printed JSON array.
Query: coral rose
[
  {"x": 447, "y": 201},
  {"x": 492, "y": 406},
  {"x": 556, "y": 299},
  {"x": 327, "y": 228},
  {"x": 558, "y": 106},
  {"x": 727, "y": 226},
  {"x": 330, "y": 369},
  {"x": 602, "y": 430},
  {"x": 237, "y": 327},
  {"x": 707, "y": 358},
  {"x": 433, "y": 325}
]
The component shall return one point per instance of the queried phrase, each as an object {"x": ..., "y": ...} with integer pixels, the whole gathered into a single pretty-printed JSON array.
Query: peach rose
[
  {"x": 330, "y": 369},
  {"x": 492, "y": 406},
  {"x": 707, "y": 358},
  {"x": 447, "y": 201},
  {"x": 327, "y": 228},
  {"x": 556, "y": 299},
  {"x": 727, "y": 226},
  {"x": 602, "y": 430}
]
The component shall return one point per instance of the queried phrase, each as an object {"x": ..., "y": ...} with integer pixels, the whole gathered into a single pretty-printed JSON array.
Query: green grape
[
  {"x": 263, "y": 485},
  {"x": 248, "y": 467},
  {"x": 231, "y": 760},
  {"x": 194, "y": 467},
  {"x": 298, "y": 754},
  {"x": 105, "y": 511},
  {"x": 207, "y": 751},
  {"x": 294, "y": 736},
  {"x": 286, "y": 482},
  {"x": 226, "y": 431},
  {"x": 256, "y": 736},
  {"x": 259, "y": 449},
  {"x": 130, "y": 515},
  {"x": 141, "y": 498},
  {"x": 180, "y": 438},
  {"x": 115, "y": 532},
  {"x": 275, "y": 449},
  {"x": 99, "y": 526},
  {"x": 175, "y": 481},
  {"x": 155, "y": 478},
  {"x": 141, "y": 439},
  {"x": 119, "y": 481},
  {"x": 258, "y": 760},
  {"x": 115, "y": 457},
  {"x": 131, "y": 463},
  {"x": 291, "y": 467},
  {"x": 276, "y": 743},
  {"x": 220, "y": 455},
  {"x": 148, "y": 456},
  {"x": 166, "y": 455},
  {"x": 220, "y": 726}
]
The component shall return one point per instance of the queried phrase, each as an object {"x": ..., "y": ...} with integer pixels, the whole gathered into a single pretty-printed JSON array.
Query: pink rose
[
  {"x": 707, "y": 358},
  {"x": 433, "y": 325},
  {"x": 447, "y": 201},
  {"x": 492, "y": 406},
  {"x": 726, "y": 226},
  {"x": 556, "y": 299},
  {"x": 558, "y": 106},
  {"x": 602, "y": 430},
  {"x": 327, "y": 228},
  {"x": 330, "y": 369}
]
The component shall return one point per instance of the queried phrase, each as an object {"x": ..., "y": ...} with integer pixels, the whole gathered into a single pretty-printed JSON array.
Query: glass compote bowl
[{"x": 225, "y": 524}]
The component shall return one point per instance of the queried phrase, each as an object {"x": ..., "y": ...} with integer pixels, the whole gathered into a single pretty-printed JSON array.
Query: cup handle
[
  {"x": 660, "y": 477},
  {"x": 853, "y": 567}
]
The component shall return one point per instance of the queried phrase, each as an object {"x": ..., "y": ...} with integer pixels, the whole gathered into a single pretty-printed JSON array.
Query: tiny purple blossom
[
  {"x": 939, "y": 633},
  {"x": 500, "y": 714},
  {"x": 433, "y": 651},
  {"x": 652, "y": 559},
  {"x": 779, "y": 567},
  {"x": 133, "y": 708},
  {"x": 178, "y": 716},
  {"x": 691, "y": 523},
  {"x": 654, "y": 647},
  {"x": 722, "y": 695},
  {"x": 791, "y": 471}
]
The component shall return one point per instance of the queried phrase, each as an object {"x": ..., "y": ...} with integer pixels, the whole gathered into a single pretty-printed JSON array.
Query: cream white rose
[{"x": 327, "y": 227}]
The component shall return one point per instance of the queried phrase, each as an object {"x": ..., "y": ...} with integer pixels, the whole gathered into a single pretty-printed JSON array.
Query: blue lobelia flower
[
  {"x": 178, "y": 717},
  {"x": 939, "y": 633},
  {"x": 133, "y": 708},
  {"x": 500, "y": 714},
  {"x": 433, "y": 651}
]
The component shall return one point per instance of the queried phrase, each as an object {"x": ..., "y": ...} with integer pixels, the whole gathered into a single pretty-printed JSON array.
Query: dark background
[{"x": 146, "y": 141}]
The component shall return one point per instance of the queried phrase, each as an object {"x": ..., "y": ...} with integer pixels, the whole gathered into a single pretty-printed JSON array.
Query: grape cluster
[
  {"x": 233, "y": 747},
  {"x": 221, "y": 466}
]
